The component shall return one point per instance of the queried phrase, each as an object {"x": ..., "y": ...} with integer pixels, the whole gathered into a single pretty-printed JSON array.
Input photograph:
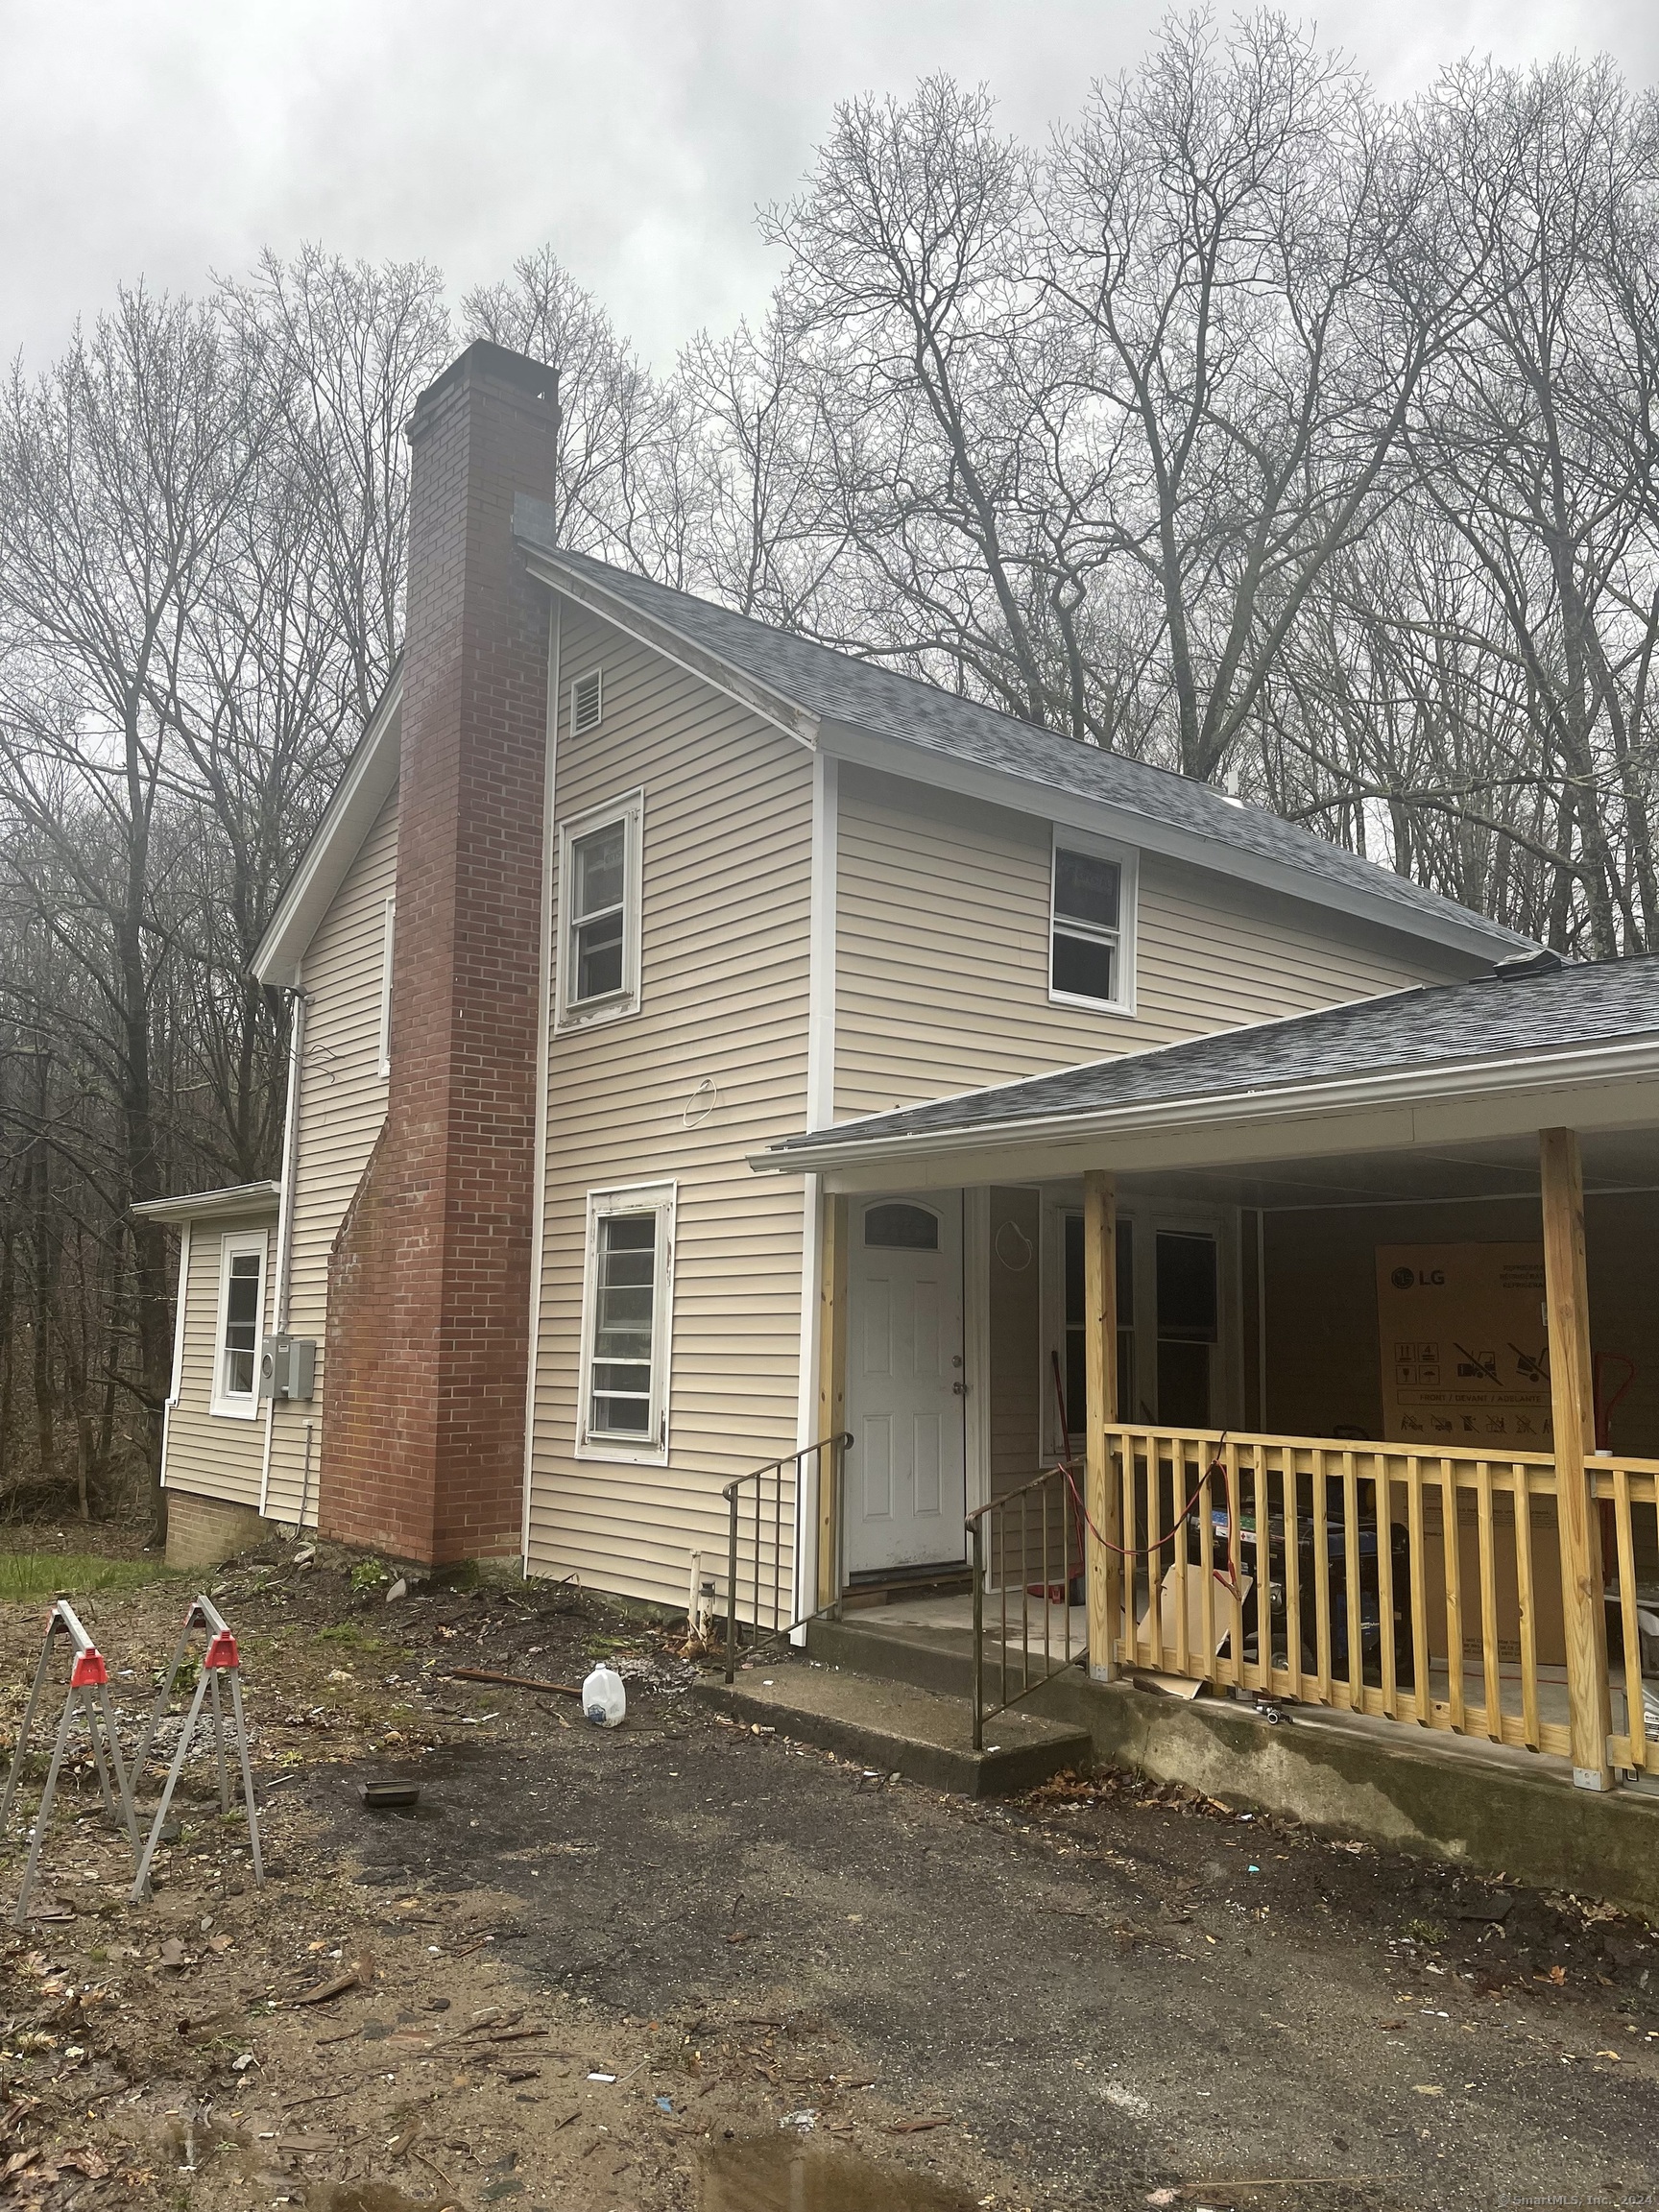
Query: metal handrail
[
  {"x": 732, "y": 1492},
  {"x": 997, "y": 1514}
]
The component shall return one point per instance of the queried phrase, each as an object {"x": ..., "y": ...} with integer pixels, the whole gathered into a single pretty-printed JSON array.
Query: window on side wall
[
  {"x": 626, "y": 1324},
  {"x": 1091, "y": 924},
  {"x": 236, "y": 1338},
  {"x": 599, "y": 868}
]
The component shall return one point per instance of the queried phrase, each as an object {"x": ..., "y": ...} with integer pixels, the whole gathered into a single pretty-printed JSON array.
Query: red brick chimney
[{"x": 429, "y": 1279}]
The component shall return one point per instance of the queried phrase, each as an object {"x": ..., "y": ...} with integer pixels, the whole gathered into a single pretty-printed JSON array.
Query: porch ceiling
[{"x": 1615, "y": 1159}]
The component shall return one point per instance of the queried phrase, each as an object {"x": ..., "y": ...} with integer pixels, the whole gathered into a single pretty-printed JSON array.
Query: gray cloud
[{"x": 168, "y": 140}]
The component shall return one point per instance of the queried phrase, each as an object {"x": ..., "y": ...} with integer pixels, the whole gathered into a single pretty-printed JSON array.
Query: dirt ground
[{"x": 685, "y": 1967}]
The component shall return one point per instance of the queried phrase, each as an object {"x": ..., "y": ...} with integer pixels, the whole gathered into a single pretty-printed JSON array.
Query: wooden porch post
[
  {"x": 1572, "y": 1413},
  {"x": 832, "y": 1392},
  {"x": 1105, "y": 1576}
]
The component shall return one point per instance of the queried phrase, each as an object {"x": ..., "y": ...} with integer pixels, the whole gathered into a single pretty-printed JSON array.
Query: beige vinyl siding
[
  {"x": 726, "y": 895},
  {"x": 942, "y": 963},
  {"x": 341, "y": 1106},
  {"x": 215, "y": 1455}
]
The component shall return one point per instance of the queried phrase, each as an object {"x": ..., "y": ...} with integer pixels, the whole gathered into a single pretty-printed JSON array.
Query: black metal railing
[
  {"x": 762, "y": 1536},
  {"x": 1026, "y": 1545}
]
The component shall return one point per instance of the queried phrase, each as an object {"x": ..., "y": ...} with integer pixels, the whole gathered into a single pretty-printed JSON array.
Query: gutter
[{"x": 1401, "y": 1086}]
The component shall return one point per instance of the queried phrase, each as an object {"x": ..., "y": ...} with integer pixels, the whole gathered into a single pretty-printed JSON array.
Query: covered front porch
[{"x": 1330, "y": 1401}]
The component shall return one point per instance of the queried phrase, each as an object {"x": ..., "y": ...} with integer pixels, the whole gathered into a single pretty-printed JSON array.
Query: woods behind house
[{"x": 1248, "y": 425}]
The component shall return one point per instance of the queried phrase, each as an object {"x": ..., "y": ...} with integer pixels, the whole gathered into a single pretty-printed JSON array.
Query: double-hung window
[
  {"x": 236, "y": 1337},
  {"x": 599, "y": 856},
  {"x": 1091, "y": 924},
  {"x": 627, "y": 1324}
]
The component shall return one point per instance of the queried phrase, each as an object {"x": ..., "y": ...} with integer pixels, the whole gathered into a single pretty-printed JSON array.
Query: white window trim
[
  {"x": 231, "y": 1406},
  {"x": 383, "y": 1058},
  {"x": 616, "y": 1005},
  {"x": 658, "y": 1198},
  {"x": 1128, "y": 901},
  {"x": 599, "y": 679}
]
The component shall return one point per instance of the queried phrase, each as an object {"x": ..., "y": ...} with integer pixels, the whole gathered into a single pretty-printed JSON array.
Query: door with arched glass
[{"x": 905, "y": 1488}]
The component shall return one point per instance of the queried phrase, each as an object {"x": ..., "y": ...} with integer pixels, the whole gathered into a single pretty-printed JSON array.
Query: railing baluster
[
  {"x": 1206, "y": 1568},
  {"x": 1636, "y": 1719},
  {"x": 1493, "y": 1687},
  {"x": 1389, "y": 1653},
  {"x": 1351, "y": 1579},
  {"x": 1290, "y": 1489},
  {"x": 1453, "y": 1557},
  {"x": 1419, "y": 1587},
  {"x": 1321, "y": 1580},
  {"x": 1525, "y": 1603},
  {"x": 1236, "y": 1559}
]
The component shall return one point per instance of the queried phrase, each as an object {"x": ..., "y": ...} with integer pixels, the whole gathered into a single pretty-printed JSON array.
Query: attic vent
[{"x": 585, "y": 702}]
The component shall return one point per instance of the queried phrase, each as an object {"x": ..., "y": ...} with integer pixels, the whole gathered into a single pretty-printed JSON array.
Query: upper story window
[
  {"x": 1091, "y": 924},
  {"x": 587, "y": 702},
  {"x": 236, "y": 1337},
  {"x": 599, "y": 856}
]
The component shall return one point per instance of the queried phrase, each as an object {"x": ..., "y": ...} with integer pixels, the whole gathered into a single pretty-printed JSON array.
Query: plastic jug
[{"x": 604, "y": 1700}]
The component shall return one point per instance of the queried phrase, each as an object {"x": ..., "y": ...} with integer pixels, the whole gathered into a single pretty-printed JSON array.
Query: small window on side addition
[
  {"x": 599, "y": 862},
  {"x": 236, "y": 1339},
  {"x": 627, "y": 1324},
  {"x": 587, "y": 702},
  {"x": 1090, "y": 944}
]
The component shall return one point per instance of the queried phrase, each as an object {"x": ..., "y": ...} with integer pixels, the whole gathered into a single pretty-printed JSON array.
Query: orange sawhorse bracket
[
  {"x": 219, "y": 1659},
  {"x": 88, "y": 1693}
]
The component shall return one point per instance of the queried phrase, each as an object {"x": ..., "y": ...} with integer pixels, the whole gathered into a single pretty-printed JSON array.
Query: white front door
[{"x": 905, "y": 1485}]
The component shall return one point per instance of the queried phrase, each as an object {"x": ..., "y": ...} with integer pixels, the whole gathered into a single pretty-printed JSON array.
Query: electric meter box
[{"x": 288, "y": 1367}]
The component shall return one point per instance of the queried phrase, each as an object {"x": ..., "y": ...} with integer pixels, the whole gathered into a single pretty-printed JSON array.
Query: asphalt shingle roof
[
  {"x": 835, "y": 687},
  {"x": 1493, "y": 1017}
]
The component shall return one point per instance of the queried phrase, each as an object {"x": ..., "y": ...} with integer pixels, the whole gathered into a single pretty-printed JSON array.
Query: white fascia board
[
  {"x": 1604, "y": 1086},
  {"x": 1025, "y": 794},
  {"x": 370, "y": 777},
  {"x": 695, "y": 660},
  {"x": 239, "y": 1200}
]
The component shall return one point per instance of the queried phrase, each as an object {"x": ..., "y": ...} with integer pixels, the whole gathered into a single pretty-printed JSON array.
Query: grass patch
[
  {"x": 350, "y": 1638},
  {"x": 29, "y": 1575}
]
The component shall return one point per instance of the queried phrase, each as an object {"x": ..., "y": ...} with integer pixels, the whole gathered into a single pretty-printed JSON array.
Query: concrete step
[
  {"x": 937, "y": 1659},
  {"x": 901, "y": 1729}
]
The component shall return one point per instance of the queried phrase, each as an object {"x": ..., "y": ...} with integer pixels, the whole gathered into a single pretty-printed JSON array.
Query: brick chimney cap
[{"x": 484, "y": 361}]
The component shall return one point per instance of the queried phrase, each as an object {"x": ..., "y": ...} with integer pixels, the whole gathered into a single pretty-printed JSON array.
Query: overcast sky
[{"x": 169, "y": 138}]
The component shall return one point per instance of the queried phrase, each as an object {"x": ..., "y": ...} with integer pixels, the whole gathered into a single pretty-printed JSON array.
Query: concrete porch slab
[
  {"x": 1497, "y": 1809},
  {"x": 901, "y": 1728}
]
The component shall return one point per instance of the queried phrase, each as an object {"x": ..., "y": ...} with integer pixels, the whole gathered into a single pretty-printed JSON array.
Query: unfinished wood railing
[
  {"x": 1421, "y": 1587},
  {"x": 1626, "y": 1494}
]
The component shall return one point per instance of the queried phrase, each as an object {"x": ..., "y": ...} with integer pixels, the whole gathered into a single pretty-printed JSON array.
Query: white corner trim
[
  {"x": 544, "y": 1071},
  {"x": 977, "y": 1341},
  {"x": 388, "y": 929},
  {"x": 807, "y": 1486},
  {"x": 821, "y": 953},
  {"x": 176, "y": 1384}
]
